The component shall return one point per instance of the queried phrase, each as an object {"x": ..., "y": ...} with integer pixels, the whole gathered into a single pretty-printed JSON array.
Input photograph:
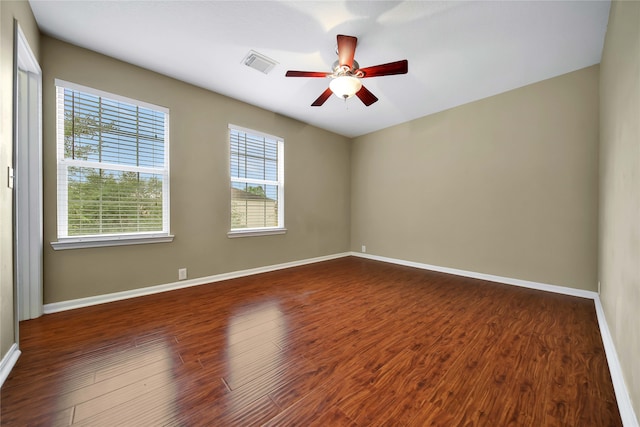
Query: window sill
[
  {"x": 98, "y": 242},
  {"x": 255, "y": 232}
]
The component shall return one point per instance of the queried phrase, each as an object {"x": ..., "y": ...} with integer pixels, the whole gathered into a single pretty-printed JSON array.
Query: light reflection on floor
[
  {"x": 252, "y": 352},
  {"x": 112, "y": 383}
]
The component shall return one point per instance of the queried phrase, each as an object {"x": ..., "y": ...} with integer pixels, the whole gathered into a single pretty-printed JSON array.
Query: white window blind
[
  {"x": 257, "y": 180},
  {"x": 113, "y": 166}
]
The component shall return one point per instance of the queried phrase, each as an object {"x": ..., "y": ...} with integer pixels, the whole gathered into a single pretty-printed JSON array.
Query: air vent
[{"x": 259, "y": 62}]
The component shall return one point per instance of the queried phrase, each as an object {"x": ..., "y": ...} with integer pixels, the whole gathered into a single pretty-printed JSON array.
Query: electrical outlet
[
  {"x": 182, "y": 273},
  {"x": 364, "y": 249}
]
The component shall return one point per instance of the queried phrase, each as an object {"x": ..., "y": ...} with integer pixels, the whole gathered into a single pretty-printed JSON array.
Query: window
[
  {"x": 113, "y": 169},
  {"x": 257, "y": 183}
]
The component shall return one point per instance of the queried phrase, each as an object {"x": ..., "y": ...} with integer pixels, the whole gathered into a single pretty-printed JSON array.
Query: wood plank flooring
[{"x": 347, "y": 342}]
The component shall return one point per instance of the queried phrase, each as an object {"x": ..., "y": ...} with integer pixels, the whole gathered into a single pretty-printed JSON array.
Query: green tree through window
[{"x": 113, "y": 166}]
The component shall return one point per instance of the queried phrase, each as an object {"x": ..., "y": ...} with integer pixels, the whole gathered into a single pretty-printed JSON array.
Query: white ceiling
[{"x": 457, "y": 51}]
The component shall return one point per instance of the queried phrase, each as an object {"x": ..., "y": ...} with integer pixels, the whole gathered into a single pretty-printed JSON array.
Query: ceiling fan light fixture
[{"x": 345, "y": 87}]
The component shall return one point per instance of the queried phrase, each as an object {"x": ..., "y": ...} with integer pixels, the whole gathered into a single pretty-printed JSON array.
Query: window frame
[
  {"x": 259, "y": 231},
  {"x": 64, "y": 241}
]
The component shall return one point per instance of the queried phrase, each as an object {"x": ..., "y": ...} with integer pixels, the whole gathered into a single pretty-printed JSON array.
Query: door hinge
[{"x": 10, "y": 177}]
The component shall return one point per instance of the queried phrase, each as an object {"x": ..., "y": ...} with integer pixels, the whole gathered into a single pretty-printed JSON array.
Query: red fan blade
[
  {"x": 346, "y": 50},
  {"x": 322, "y": 98},
  {"x": 398, "y": 67},
  {"x": 292, "y": 73},
  {"x": 365, "y": 96}
]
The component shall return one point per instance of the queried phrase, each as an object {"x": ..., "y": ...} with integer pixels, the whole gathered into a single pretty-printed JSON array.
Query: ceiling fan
[{"x": 347, "y": 73}]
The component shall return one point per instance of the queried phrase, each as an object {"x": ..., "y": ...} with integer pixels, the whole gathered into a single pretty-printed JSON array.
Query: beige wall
[
  {"x": 316, "y": 190},
  {"x": 9, "y": 11},
  {"x": 620, "y": 188},
  {"x": 506, "y": 185}
]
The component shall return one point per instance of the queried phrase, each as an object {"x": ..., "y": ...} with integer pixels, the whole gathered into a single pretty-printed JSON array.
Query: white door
[{"x": 28, "y": 181}]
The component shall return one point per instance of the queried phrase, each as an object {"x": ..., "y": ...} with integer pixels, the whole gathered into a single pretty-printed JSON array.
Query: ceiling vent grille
[{"x": 259, "y": 62}]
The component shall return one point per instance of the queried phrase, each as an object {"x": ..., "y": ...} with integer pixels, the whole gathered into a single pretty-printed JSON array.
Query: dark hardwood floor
[{"x": 348, "y": 342}]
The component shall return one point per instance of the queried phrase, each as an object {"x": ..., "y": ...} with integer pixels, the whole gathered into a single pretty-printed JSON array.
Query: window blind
[
  {"x": 257, "y": 187},
  {"x": 113, "y": 174}
]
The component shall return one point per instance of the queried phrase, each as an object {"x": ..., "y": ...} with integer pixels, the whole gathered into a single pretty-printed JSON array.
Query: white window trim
[
  {"x": 103, "y": 240},
  {"x": 262, "y": 231},
  {"x": 254, "y": 232},
  {"x": 110, "y": 240}
]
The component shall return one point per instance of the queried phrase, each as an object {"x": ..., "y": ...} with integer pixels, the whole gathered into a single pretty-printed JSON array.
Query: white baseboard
[
  {"x": 117, "y": 296},
  {"x": 489, "y": 277},
  {"x": 8, "y": 362},
  {"x": 622, "y": 395},
  {"x": 625, "y": 406}
]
